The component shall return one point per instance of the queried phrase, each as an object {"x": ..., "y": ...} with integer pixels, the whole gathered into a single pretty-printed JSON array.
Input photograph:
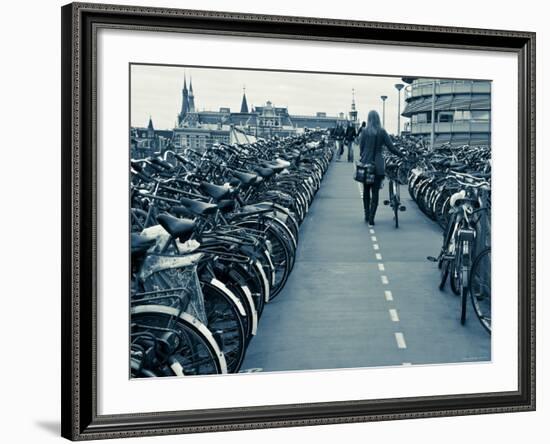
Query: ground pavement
[{"x": 361, "y": 296}]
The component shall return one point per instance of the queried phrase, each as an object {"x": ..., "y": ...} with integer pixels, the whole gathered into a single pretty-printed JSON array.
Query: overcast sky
[{"x": 156, "y": 92}]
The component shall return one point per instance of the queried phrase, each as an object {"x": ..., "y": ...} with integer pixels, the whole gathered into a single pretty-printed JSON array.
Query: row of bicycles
[
  {"x": 452, "y": 186},
  {"x": 213, "y": 240}
]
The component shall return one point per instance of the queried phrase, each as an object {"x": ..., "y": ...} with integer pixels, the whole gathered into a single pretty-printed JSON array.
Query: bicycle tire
[
  {"x": 281, "y": 252},
  {"x": 396, "y": 204},
  {"x": 481, "y": 302},
  {"x": 463, "y": 263},
  {"x": 236, "y": 285},
  {"x": 444, "y": 273},
  {"x": 228, "y": 321},
  {"x": 199, "y": 352},
  {"x": 253, "y": 282}
]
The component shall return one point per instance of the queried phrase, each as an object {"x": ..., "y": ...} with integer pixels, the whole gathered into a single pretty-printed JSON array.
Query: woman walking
[{"x": 371, "y": 143}]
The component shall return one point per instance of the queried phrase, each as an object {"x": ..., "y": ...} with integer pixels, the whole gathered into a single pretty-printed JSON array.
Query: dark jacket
[
  {"x": 370, "y": 148},
  {"x": 339, "y": 133},
  {"x": 350, "y": 133}
]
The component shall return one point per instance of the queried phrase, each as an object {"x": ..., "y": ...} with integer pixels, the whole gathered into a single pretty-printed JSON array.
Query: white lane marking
[
  {"x": 381, "y": 267},
  {"x": 371, "y": 231},
  {"x": 400, "y": 339},
  {"x": 384, "y": 279},
  {"x": 393, "y": 315},
  {"x": 252, "y": 370},
  {"x": 378, "y": 256},
  {"x": 375, "y": 246},
  {"x": 373, "y": 238},
  {"x": 406, "y": 364},
  {"x": 388, "y": 295}
]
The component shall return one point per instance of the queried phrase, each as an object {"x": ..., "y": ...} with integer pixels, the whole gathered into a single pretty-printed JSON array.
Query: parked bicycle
[{"x": 214, "y": 237}]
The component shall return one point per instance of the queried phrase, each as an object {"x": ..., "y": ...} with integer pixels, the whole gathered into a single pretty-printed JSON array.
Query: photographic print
[
  {"x": 297, "y": 221},
  {"x": 264, "y": 228}
]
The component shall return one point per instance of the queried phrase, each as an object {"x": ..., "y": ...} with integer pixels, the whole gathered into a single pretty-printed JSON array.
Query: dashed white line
[
  {"x": 381, "y": 267},
  {"x": 400, "y": 339},
  {"x": 373, "y": 238},
  {"x": 371, "y": 231},
  {"x": 384, "y": 279},
  {"x": 375, "y": 246},
  {"x": 378, "y": 256},
  {"x": 393, "y": 315},
  {"x": 388, "y": 295}
]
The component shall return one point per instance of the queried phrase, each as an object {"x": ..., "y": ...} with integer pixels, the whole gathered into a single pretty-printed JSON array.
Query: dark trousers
[
  {"x": 370, "y": 197},
  {"x": 349, "y": 143}
]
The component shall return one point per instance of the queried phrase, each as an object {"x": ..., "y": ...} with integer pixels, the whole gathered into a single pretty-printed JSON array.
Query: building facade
[
  {"x": 147, "y": 141},
  {"x": 462, "y": 110},
  {"x": 201, "y": 129}
]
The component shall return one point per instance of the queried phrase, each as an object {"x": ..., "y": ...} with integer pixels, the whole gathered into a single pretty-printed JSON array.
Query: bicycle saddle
[
  {"x": 216, "y": 192},
  {"x": 177, "y": 228},
  {"x": 140, "y": 244},
  {"x": 181, "y": 212},
  {"x": 197, "y": 207},
  {"x": 245, "y": 178},
  {"x": 265, "y": 172},
  {"x": 275, "y": 166}
]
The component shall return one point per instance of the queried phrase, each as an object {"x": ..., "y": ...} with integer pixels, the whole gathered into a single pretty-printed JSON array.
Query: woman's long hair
[{"x": 373, "y": 123}]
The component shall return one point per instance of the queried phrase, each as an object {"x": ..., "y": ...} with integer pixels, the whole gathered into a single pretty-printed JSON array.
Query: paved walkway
[{"x": 362, "y": 297}]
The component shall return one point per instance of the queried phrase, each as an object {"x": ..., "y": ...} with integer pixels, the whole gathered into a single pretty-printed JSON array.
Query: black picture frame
[{"x": 79, "y": 172}]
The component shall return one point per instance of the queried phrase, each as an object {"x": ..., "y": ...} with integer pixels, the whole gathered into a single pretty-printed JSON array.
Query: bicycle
[
  {"x": 458, "y": 250},
  {"x": 168, "y": 332},
  {"x": 394, "y": 200}
]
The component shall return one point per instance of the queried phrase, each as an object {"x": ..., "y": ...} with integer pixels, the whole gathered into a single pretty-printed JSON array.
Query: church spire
[
  {"x": 184, "y": 100},
  {"x": 353, "y": 112},
  {"x": 150, "y": 129},
  {"x": 191, "y": 96},
  {"x": 244, "y": 103}
]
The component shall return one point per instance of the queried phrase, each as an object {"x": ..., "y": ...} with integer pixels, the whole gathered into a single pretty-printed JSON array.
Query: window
[
  {"x": 481, "y": 115},
  {"x": 445, "y": 117},
  {"x": 421, "y": 118},
  {"x": 462, "y": 115}
]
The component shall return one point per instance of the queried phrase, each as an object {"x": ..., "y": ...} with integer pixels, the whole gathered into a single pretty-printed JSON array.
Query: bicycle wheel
[
  {"x": 456, "y": 275},
  {"x": 396, "y": 203},
  {"x": 282, "y": 251},
  {"x": 463, "y": 253},
  {"x": 227, "y": 321},
  {"x": 480, "y": 288},
  {"x": 243, "y": 294},
  {"x": 444, "y": 266},
  {"x": 194, "y": 350}
]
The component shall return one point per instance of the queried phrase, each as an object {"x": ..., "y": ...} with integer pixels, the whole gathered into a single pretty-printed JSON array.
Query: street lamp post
[
  {"x": 399, "y": 87},
  {"x": 432, "y": 135},
  {"x": 384, "y": 110}
]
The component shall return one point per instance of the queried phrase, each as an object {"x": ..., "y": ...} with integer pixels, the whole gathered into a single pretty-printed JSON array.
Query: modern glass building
[{"x": 462, "y": 110}]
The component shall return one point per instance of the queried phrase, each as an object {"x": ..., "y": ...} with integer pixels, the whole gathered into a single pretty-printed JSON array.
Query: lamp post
[
  {"x": 384, "y": 110},
  {"x": 399, "y": 87},
  {"x": 432, "y": 135}
]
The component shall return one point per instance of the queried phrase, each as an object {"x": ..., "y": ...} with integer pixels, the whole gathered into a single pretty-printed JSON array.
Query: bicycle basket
[{"x": 175, "y": 286}]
